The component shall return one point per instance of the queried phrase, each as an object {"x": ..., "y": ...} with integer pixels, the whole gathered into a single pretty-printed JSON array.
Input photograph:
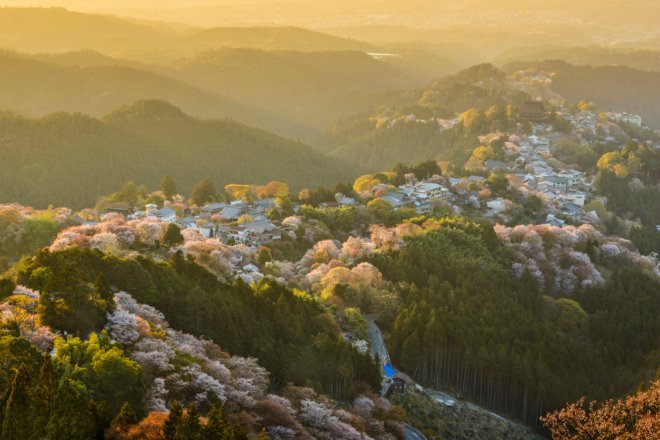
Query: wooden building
[{"x": 533, "y": 111}]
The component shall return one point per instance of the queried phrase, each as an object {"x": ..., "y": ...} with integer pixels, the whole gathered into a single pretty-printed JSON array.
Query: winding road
[
  {"x": 379, "y": 350},
  {"x": 412, "y": 433}
]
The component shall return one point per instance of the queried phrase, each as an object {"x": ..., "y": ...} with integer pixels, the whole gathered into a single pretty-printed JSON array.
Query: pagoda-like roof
[{"x": 532, "y": 111}]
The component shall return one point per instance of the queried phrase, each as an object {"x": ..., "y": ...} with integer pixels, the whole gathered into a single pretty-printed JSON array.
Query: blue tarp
[{"x": 389, "y": 370}]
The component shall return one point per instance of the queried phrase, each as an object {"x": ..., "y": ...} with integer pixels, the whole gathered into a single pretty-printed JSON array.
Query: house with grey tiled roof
[{"x": 232, "y": 212}]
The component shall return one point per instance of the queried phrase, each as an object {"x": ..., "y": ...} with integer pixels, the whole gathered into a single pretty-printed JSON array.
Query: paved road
[
  {"x": 412, "y": 433},
  {"x": 378, "y": 347},
  {"x": 439, "y": 396},
  {"x": 379, "y": 350}
]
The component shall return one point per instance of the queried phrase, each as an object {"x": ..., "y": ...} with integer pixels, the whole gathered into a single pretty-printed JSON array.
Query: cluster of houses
[
  {"x": 565, "y": 191},
  {"x": 584, "y": 122},
  {"x": 443, "y": 124},
  {"x": 237, "y": 222},
  {"x": 626, "y": 118},
  {"x": 526, "y": 157},
  {"x": 420, "y": 196}
]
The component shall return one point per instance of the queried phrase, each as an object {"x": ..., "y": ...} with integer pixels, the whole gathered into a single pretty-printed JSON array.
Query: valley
[{"x": 297, "y": 220}]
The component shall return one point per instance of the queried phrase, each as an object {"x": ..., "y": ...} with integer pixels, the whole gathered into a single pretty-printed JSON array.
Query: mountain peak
[{"x": 147, "y": 110}]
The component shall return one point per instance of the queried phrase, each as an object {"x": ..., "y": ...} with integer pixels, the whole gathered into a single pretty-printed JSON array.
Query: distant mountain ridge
[
  {"x": 60, "y": 30},
  {"x": 285, "y": 79},
  {"x": 39, "y": 88},
  {"x": 273, "y": 38},
  {"x": 93, "y": 84},
  {"x": 313, "y": 88},
  {"x": 56, "y": 30},
  {"x": 69, "y": 159},
  {"x": 295, "y": 94},
  {"x": 590, "y": 55}
]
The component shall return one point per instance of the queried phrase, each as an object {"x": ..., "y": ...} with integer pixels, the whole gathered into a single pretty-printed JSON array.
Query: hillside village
[
  {"x": 527, "y": 184},
  {"x": 241, "y": 240},
  {"x": 303, "y": 220},
  {"x": 525, "y": 168},
  {"x": 530, "y": 167},
  {"x": 527, "y": 163}
]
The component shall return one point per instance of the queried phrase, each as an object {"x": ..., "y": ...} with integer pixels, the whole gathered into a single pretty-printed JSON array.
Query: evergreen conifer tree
[
  {"x": 216, "y": 427},
  {"x": 126, "y": 417},
  {"x": 17, "y": 423},
  {"x": 172, "y": 236},
  {"x": 189, "y": 427},
  {"x": 172, "y": 421},
  {"x": 70, "y": 418},
  {"x": 45, "y": 397},
  {"x": 168, "y": 187},
  {"x": 105, "y": 292}
]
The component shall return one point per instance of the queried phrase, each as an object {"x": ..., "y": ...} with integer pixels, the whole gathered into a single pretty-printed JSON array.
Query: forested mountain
[
  {"x": 610, "y": 88},
  {"x": 37, "y": 88},
  {"x": 422, "y": 61},
  {"x": 485, "y": 73},
  {"x": 466, "y": 323},
  {"x": 72, "y": 158},
  {"x": 588, "y": 55},
  {"x": 296, "y": 94},
  {"x": 295, "y": 343},
  {"x": 81, "y": 361},
  {"x": 313, "y": 88},
  {"x": 408, "y": 130},
  {"x": 271, "y": 38},
  {"x": 85, "y": 58},
  {"x": 376, "y": 148},
  {"x": 60, "y": 30}
]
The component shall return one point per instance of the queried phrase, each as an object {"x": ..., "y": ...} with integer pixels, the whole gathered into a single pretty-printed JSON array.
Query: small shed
[{"x": 399, "y": 383}]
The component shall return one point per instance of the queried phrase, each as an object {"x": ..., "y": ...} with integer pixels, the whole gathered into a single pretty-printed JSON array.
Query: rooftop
[
  {"x": 532, "y": 111},
  {"x": 214, "y": 207},
  {"x": 259, "y": 226},
  {"x": 495, "y": 165},
  {"x": 427, "y": 186},
  {"x": 231, "y": 212},
  {"x": 165, "y": 212}
]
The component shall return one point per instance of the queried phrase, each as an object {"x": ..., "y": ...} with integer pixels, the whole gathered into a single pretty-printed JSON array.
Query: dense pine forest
[
  {"x": 466, "y": 324},
  {"x": 63, "y": 159},
  {"x": 295, "y": 339}
]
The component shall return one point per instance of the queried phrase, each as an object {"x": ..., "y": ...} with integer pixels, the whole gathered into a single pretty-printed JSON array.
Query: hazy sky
[{"x": 422, "y": 13}]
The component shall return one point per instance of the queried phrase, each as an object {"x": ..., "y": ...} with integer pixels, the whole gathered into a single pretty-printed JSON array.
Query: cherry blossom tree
[
  {"x": 636, "y": 417},
  {"x": 122, "y": 327},
  {"x": 316, "y": 414}
]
